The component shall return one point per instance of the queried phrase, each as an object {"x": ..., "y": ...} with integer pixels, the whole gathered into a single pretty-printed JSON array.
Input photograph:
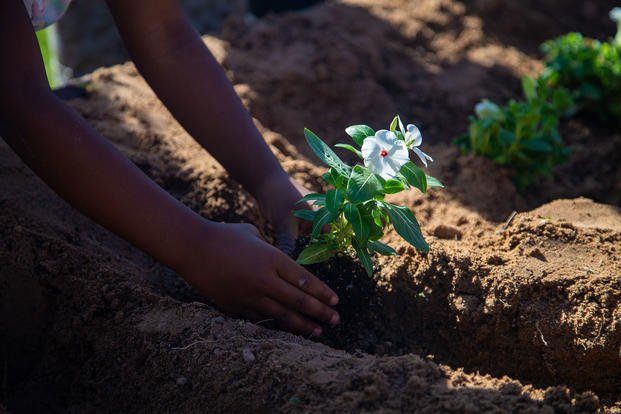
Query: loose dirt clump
[{"x": 522, "y": 316}]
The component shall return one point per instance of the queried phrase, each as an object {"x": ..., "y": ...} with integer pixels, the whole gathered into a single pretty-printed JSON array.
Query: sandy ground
[{"x": 518, "y": 318}]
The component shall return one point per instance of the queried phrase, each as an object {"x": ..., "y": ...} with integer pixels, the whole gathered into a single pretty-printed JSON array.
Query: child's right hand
[{"x": 247, "y": 276}]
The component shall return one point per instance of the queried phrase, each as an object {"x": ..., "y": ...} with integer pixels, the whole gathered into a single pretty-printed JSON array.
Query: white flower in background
[
  {"x": 384, "y": 154},
  {"x": 615, "y": 15},
  {"x": 487, "y": 109},
  {"x": 413, "y": 139}
]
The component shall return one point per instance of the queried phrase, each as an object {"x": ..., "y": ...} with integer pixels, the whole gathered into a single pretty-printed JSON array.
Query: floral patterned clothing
[{"x": 45, "y": 12}]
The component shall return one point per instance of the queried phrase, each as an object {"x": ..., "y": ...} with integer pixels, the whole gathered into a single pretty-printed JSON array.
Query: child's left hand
[{"x": 277, "y": 198}]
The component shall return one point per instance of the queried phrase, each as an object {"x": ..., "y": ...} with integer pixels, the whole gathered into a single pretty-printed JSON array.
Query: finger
[
  {"x": 285, "y": 242},
  {"x": 296, "y": 299},
  {"x": 288, "y": 319},
  {"x": 301, "y": 278}
]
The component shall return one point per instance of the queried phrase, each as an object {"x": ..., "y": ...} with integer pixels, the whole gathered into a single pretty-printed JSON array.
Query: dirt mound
[{"x": 93, "y": 325}]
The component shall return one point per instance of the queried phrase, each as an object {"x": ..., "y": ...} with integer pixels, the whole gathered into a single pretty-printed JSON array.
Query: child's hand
[
  {"x": 277, "y": 198},
  {"x": 247, "y": 276}
]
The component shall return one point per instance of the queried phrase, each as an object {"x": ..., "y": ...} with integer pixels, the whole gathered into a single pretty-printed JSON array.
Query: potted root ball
[{"x": 350, "y": 219}]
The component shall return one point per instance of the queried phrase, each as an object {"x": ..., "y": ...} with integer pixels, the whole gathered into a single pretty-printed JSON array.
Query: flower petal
[
  {"x": 401, "y": 125},
  {"x": 370, "y": 148},
  {"x": 399, "y": 151},
  {"x": 414, "y": 135},
  {"x": 392, "y": 167},
  {"x": 385, "y": 139},
  {"x": 375, "y": 165},
  {"x": 388, "y": 170},
  {"x": 423, "y": 157}
]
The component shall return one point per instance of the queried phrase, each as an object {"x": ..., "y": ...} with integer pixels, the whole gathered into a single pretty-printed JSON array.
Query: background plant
[
  {"x": 522, "y": 134},
  {"x": 354, "y": 210},
  {"x": 589, "y": 68},
  {"x": 48, "y": 44}
]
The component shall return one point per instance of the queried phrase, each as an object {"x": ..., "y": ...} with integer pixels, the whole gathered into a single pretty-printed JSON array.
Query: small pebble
[
  {"x": 446, "y": 232},
  {"x": 181, "y": 381},
  {"x": 248, "y": 355}
]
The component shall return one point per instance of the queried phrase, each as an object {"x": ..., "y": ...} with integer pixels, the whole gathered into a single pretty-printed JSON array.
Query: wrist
[
  {"x": 193, "y": 237},
  {"x": 265, "y": 186}
]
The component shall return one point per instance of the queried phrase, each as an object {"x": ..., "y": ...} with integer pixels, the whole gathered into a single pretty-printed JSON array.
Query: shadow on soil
[{"x": 501, "y": 21}]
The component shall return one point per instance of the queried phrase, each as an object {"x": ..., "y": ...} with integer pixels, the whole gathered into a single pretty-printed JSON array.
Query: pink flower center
[{"x": 383, "y": 153}]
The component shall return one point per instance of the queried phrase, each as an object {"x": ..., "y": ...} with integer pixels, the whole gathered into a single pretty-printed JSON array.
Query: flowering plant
[
  {"x": 523, "y": 134},
  {"x": 355, "y": 210}
]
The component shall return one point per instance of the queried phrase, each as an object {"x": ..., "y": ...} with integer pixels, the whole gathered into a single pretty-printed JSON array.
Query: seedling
[
  {"x": 522, "y": 135},
  {"x": 354, "y": 210}
]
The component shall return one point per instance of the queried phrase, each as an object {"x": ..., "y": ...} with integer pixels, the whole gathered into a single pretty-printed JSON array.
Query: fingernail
[
  {"x": 317, "y": 331},
  {"x": 334, "y": 300},
  {"x": 335, "y": 319}
]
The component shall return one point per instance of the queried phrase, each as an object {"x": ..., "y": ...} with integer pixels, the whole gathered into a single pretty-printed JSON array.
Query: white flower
[
  {"x": 384, "y": 154},
  {"x": 413, "y": 139},
  {"x": 615, "y": 15},
  {"x": 487, "y": 109}
]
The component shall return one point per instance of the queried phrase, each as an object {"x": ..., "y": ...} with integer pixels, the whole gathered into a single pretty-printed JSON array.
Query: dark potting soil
[{"x": 360, "y": 306}]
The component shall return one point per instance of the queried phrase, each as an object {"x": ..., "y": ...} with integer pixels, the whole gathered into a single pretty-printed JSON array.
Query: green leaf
[
  {"x": 562, "y": 100},
  {"x": 364, "y": 257},
  {"x": 359, "y": 132},
  {"x": 357, "y": 221},
  {"x": 304, "y": 214},
  {"x": 322, "y": 217},
  {"x": 433, "y": 182},
  {"x": 332, "y": 177},
  {"x": 328, "y": 178},
  {"x": 506, "y": 137},
  {"x": 538, "y": 145},
  {"x": 414, "y": 176},
  {"x": 320, "y": 199},
  {"x": 393, "y": 186},
  {"x": 377, "y": 232},
  {"x": 406, "y": 225},
  {"x": 377, "y": 214},
  {"x": 363, "y": 185},
  {"x": 350, "y": 148},
  {"x": 316, "y": 253},
  {"x": 530, "y": 88},
  {"x": 326, "y": 154},
  {"x": 381, "y": 248},
  {"x": 394, "y": 123},
  {"x": 334, "y": 200}
]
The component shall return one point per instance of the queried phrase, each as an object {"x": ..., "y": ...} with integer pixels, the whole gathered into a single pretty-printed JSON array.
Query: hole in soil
[{"x": 365, "y": 321}]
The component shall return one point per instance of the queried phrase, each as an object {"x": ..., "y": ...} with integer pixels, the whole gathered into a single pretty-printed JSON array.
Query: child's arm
[
  {"x": 176, "y": 63},
  {"x": 93, "y": 176}
]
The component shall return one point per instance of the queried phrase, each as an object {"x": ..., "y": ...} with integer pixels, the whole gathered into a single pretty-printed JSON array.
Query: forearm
[
  {"x": 201, "y": 98},
  {"x": 93, "y": 176}
]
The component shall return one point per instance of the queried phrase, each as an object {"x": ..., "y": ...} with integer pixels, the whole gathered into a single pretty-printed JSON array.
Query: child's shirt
[{"x": 45, "y": 12}]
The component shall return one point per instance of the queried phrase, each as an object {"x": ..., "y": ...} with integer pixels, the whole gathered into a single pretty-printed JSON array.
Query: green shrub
[{"x": 589, "y": 68}]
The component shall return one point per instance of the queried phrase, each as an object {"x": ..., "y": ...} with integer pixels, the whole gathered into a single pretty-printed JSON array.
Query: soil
[{"x": 520, "y": 315}]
